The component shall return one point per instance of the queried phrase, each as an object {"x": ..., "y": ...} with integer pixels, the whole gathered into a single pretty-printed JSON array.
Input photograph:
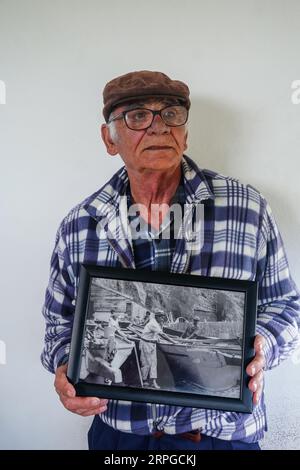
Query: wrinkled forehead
[{"x": 144, "y": 103}]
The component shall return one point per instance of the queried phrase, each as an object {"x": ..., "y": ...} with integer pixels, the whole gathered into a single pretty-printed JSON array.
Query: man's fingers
[
  {"x": 256, "y": 382},
  {"x": 259, "y": 343},
  {"x": 257, "y": 394},
  {"x": 65, "y": 389},
  {"x": 90, "y": 411},
  {"x": 257, "y": 364},
  {"x": 255, "y": 369},
  {"x": 61, "y": 383},
  {"x": 95, "y": 411},
  {"x": 83, "y": 404}
]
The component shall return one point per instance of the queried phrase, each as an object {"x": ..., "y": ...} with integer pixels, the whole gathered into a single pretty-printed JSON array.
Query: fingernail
[
  {"x": 95, "y": 401},
  {"x": 254, "y": 386},
  {"x": 70, "y": 393},
  {"x": 252, "y": 370},
  {"x": 260, "y": 346}
]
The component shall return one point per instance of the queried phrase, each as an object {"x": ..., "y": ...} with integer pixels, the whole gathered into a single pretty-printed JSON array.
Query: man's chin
[
  {"x": 161, "y": 164},
  {"x": 160, "y": 155}
]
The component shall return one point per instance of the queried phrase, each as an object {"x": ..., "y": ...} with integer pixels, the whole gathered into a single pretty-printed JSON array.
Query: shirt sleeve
[
  {"x": 58, "y": 309},
  {"x": 278, "y": 296}
]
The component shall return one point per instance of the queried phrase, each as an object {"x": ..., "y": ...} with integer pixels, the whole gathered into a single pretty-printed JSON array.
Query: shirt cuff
[{"x": 62, "y": 356}]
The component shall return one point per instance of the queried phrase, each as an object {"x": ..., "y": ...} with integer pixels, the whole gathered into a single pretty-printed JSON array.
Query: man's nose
[{"x": 158, "y": 126}]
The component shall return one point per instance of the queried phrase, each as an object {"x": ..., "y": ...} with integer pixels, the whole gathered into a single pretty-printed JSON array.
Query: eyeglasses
[{"x": 139, "y": 119}]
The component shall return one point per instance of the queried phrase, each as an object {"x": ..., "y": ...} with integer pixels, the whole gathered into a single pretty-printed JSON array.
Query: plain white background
[{"x": 239, "y": 59}]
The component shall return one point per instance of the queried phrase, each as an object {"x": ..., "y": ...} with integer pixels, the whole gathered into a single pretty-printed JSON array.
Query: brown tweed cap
[{"x": 141, "y": 84}]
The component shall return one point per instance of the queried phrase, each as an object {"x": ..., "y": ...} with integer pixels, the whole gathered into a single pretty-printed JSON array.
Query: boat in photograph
[
  {"x": 214, "y": 366},
  {"x": 124, "y": 349},
  {"x": 94, "y": 362}
]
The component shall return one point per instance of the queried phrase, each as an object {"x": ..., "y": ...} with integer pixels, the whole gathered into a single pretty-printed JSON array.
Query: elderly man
[{"x": 146, "y": 114}]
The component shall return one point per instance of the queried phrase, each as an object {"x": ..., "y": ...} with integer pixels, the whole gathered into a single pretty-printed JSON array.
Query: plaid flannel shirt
[{"x": 241, "y": 241}]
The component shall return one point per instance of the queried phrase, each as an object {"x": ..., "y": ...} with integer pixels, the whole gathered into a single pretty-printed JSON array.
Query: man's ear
[{"x": 108, "y": 142}]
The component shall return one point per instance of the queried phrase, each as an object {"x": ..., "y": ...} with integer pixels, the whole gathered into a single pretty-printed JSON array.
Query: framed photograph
[{"x": 157, "y": 337}]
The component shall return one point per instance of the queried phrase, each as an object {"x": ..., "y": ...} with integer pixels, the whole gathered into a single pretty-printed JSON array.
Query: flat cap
[{"x": 145, "y": 83}]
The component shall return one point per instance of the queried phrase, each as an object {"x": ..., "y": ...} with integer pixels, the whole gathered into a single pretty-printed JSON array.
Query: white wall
[{"x": 239, "y": 58}]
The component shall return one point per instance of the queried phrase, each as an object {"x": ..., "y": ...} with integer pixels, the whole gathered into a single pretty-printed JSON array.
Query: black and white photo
[{"x": 162, "y": 334}]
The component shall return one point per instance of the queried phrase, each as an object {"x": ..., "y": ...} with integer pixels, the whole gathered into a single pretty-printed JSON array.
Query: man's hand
[
  {"x": 84, "y": 406},
  {"x": 255, "y": 369}
]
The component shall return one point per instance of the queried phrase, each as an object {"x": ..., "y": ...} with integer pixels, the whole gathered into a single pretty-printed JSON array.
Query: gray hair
[{"x": 113, "y": 131}]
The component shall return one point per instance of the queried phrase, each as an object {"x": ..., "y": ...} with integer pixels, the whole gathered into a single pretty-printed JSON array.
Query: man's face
[
  {"x": 98, "y": 333},
  {"x": 157, "y": 148}
]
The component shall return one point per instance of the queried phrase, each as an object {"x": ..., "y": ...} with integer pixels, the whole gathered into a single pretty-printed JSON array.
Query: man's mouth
[{"x": 158, "y": 147}]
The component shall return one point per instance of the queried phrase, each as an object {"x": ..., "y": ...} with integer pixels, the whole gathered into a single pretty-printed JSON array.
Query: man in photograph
[
  {"x": 114, "y": 323},
  {"x": 100, "y": 352},
  {"x": 148, "y": 349},
  {"x": 146, "y": 116},
  {"x": 152, "y": 332},
  {"x": 192, "y": 330}
]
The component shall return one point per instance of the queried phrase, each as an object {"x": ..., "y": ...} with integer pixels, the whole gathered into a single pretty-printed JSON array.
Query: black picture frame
[{"x": 205, "y": 370}]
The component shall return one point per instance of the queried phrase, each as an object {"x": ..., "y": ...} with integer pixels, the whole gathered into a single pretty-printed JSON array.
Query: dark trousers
[{"x": 104, "y": 437}]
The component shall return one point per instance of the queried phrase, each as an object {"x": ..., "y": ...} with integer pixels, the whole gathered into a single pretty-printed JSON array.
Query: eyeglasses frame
[{"x": 122, "y": 115}]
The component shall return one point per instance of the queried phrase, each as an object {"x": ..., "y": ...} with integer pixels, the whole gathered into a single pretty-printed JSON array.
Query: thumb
[{"x": 61, "y": 382}]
